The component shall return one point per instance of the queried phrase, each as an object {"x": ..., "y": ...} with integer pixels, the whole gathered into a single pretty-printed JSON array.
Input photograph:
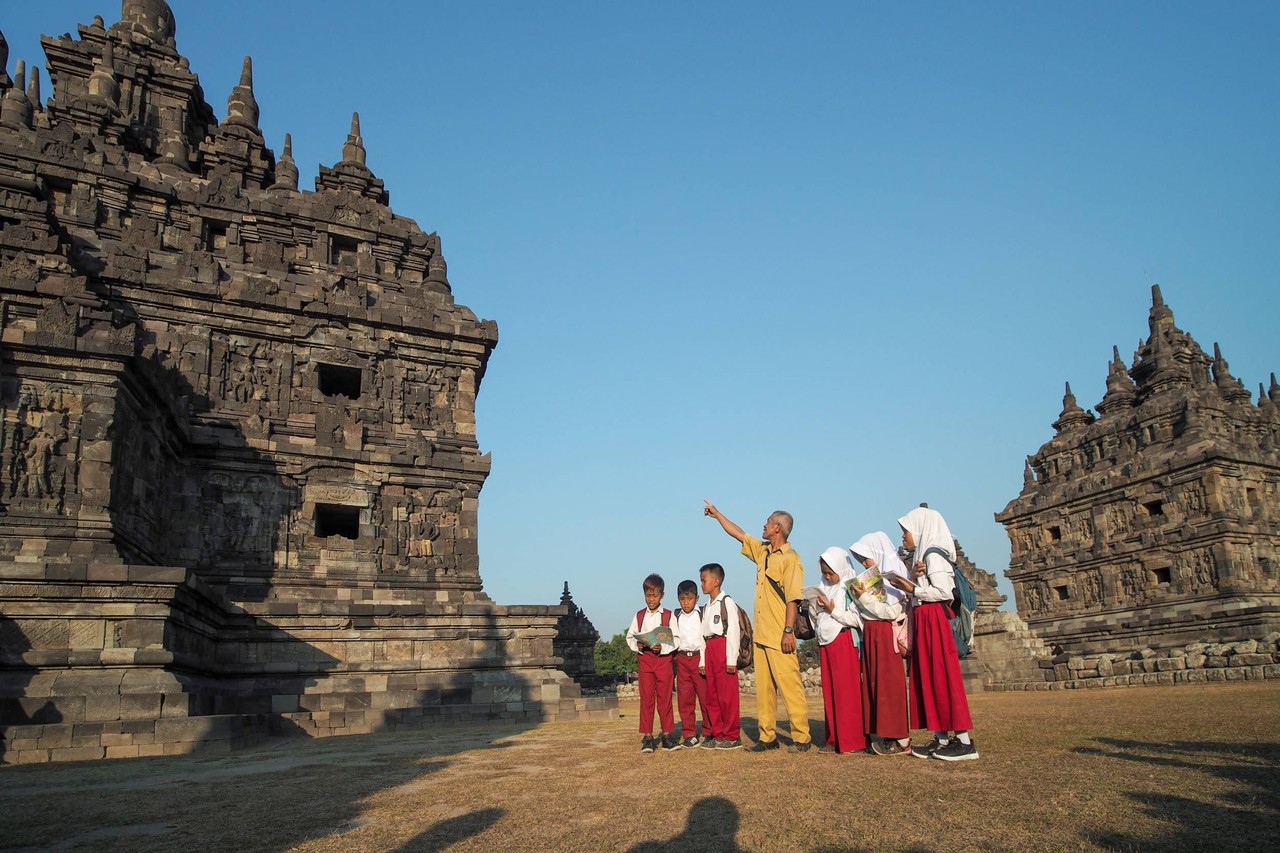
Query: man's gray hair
[{"x": 785, "y": 520}]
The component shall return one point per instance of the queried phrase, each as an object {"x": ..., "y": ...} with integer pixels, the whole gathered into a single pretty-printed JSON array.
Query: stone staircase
[{"x": 1004, "y": 650}]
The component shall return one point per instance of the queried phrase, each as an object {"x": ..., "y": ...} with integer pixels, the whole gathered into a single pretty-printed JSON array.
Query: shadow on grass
[
  {"x": 712, "y": 827},
  {"x": 1242, "y": 819},
  {"x": 446, "y": 833},
  {"x": 265, "y": 799}
]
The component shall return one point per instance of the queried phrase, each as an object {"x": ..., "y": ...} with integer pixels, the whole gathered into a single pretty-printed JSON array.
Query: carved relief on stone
[
  {"x": 241, "y": 513},
  {"x": 1036, "y": 596},
  {"x": 38, "y": 435},
  {"x": 1194, "y": 499},
  {"x": 428, "y": 394},
  {"x": 1091, "y": 583},
  {"x": 1119, "y": 515},
  {"x": 244, "y": 374},
  {"x": 1204, "y": 569},
  {"x": 1133, "y": 582}
]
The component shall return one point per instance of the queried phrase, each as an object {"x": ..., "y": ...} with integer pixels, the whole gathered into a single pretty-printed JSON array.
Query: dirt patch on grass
[{"x": 1178, "y": 768}]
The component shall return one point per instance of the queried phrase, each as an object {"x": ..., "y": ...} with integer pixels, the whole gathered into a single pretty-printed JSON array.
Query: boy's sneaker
[
  {"x": 690, "y": 742},
  {"x": 957, "y": 751},
  {"x": 709, "y": 743},
  {"x": 799, "y": 747},
  {"x": 648, "y": 743},
  {"x": 890, "y": 747},
  {"x": 729, "y": 744},
  {"x": 826, "y": 749},
  {"x": 763, "y": 746},
  {"x": 669, "y": 742},
  {"x": 929, "y": 750}
]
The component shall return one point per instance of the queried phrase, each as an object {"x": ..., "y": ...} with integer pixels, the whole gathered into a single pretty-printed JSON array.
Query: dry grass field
[{"x": 1193, "y": 767}]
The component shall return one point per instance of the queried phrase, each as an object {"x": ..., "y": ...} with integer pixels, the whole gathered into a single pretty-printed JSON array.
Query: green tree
[{"x": 613, "y": 657}]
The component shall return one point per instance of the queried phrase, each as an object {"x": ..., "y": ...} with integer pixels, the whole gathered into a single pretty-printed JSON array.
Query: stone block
[
  {"x": 77, "y": 753},
  {"x": 1245, "y": 647},
  {"x": 101, "y": 708},
  {"x": 139, "y": 706},
  {"x": 1216, "y": 662},
  {"x": 1234, "y": 673},
  {"x": 1196, "y": 661},
  {"x": 1251, "y": 660},
  {"x": 1170, "y": 664}
]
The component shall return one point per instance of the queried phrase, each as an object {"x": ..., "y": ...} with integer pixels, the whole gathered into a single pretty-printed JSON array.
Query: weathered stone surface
[
  {"x": 1155, "y": 522},
  {"x": 238, "y": 455}
]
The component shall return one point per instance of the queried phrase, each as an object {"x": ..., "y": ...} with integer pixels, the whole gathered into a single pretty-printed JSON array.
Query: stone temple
[
  {"x": 1157, "y": 521},
  {"x": 239, "y": 474}
]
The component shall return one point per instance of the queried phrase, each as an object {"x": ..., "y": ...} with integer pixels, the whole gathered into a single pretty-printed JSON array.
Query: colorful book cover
[{"x": 869, "y": 581}]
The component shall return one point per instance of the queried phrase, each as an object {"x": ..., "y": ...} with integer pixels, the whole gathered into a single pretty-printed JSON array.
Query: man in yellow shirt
[{"x": 779, "y": 578}]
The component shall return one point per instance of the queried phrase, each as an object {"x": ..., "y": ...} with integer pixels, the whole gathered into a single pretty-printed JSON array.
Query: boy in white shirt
[
  {"x": 691, "y": 685},
  {"x": 721, "y": 636},
  {"x": 653, "y": 662}
]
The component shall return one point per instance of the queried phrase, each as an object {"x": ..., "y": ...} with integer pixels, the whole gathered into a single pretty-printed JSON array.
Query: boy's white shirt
[
  {"x": 732, "y": 632},
  {"x": 688, "y": 630},
  {"x": 652, "y": 619}
]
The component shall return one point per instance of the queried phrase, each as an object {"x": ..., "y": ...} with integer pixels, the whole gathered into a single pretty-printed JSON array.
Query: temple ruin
[
  {"x": 239, "y": 473},
  {"x": 1155, "y": 522}
]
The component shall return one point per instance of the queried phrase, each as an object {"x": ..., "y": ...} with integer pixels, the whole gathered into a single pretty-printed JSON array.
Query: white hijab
[
  {"x": 929, "y": 530},
  {"x": 839, "y": 561},
  {"x": 880, "y": 548}
]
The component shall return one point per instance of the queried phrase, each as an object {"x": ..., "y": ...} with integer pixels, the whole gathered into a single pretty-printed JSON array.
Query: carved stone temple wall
[
  {"x": 239, "y": 474},
  {"x": 1155, "y": 523}
]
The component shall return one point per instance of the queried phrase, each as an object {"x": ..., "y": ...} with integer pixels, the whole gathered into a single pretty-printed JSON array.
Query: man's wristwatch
[{"x": 788, "y": 630}]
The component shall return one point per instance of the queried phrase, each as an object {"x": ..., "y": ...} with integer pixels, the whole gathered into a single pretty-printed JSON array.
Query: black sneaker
[
  {"x": 648, "y": 743},
  {"x": 929, "y": 750},
  {"x": 763, "y": 746},
  {"x": 826, "y": 749},
  {"x": 890, "y": 747},
  {"x": 729, "y": 744},
  {"x": 799, "y": 747},
  {"x": 957, "y": 751},
  {"x": 709, "y": 743},
  {"x": 669, "y": 742},
  {"x": 690, "y": 742}
]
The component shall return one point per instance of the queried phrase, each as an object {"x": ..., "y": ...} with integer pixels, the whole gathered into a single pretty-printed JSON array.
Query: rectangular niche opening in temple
[
  {"x": 337, "y": 520},
  {"x": 343, "y": 251},
  {"x": 338, "y": 380},
  {"x": 1154, "y": 507}
]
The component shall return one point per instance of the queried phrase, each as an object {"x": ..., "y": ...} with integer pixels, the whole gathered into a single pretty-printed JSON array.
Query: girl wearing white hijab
[
  {"x": 937, "y": 687},
  {"x": 836, "y": 625},
  {"x": 884, "y": 681}
]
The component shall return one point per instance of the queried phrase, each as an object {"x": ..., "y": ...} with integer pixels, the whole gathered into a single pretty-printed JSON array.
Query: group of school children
[{"x": 863, "y": 638}]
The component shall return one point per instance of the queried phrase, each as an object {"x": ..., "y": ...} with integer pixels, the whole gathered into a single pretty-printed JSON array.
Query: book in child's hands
[
  {"x": 661, "y": 634},
  {"x": 869, "y": 581}
]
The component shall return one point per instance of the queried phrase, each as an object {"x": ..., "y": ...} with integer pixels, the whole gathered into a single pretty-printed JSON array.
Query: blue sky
[{"x": 837, "y": 258}]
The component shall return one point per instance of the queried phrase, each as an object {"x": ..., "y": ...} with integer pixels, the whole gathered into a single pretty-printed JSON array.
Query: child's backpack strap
[
  {"x": 640, "y": 620},
  {"x": 666, "y": 618}
]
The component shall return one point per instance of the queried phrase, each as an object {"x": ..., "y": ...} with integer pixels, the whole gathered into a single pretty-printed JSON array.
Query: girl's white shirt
[{"x": 827, "y": 626}]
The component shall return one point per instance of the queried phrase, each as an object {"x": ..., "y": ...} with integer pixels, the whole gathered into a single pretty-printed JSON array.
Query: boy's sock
[
  {"x": 943, "y": 738},
  {"x": 963, "y": 737},
  {"x": 904, "y": 742}
]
